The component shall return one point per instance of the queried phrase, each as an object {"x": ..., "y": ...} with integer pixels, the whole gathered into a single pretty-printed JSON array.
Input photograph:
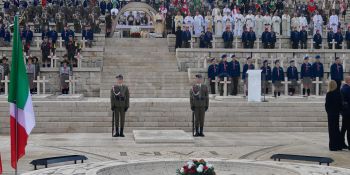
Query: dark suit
[{"x": 333, "y": 107}]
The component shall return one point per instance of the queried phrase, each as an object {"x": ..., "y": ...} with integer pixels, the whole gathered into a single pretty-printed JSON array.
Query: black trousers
[
  {"x": 338, "y": 84},
  {"x": 228, "y": 44},
  {"x": 266, "y": 45},
  {"x": 251, "y": 44},
  {"x": 295, "y": 45},
  {"x": 212, "y": 87},
  {"x": 338, "y": 46},
  {"x": 348, "y": 44},
  {"x": 345, "y": 129},
  {"x": 335, "y": 141},
  {"x": 317, "y": 46},
  {"x": 303, "y": 45},
  {"x": 234, "y": 89}
]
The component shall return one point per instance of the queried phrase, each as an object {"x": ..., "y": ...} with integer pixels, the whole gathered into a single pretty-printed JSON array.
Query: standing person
[
  {"x": 120, "y": 98},
  {"x": 235, "y": 71},
  {"x": 251, "y": 38},
  {"x": 345, "y": 128},
  {"x": 337, "y": 72},
  {"x": 213, "y": 71},
  {"x": 347, "y": 38},
  {"x": 330, "y": 38},
  {"x": 248, "y": 66},
  {"x": 223, "y": 72},
  {"x": 208, "y": 38},
  {"x": 178, "y": 34},
  {"x": 71, "y": 49},
  {"x": 317, "y": 40},
  {"x": 333, "y": 107},
  {"x": 303, "y": 38},
  {"x": 244, "y": 37},
  {"x": 277, "y": 78},
  {"x": 286, "y": 24},
  {"x": 317, "y": 71},
  {"x": 306, "y": 75},
  {"x": 273, "y": 39},
  {"x": 199, "y": 100},
  {"x": 265, "y": 77},
  {"x": 228, "y": 38},
  {"x": 294, "y": 38},
  {"x": 30, "y": 68},
  {"x": 265, "y": 38},
  {"x": 45, "y": 52},
  {"x": 186, "y": 37},
  {"x": 65, "y": 72},
  {"x": 292, "y": 75},
  {"x": 338, "y": 37}
]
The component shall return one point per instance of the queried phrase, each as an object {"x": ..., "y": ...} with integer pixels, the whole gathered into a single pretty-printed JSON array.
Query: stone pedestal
[{"x": 162, "y": 136}]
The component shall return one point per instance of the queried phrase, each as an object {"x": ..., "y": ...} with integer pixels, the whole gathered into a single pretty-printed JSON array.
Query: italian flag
[{"x": 20, "y": 101}]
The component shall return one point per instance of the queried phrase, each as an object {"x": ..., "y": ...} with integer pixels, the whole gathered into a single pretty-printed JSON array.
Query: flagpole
[{"x": 16, "y": 138}]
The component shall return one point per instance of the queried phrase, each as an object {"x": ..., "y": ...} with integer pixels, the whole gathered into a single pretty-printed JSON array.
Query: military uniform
[
  {"x": 199, "y": 99},
  {"x": 119, "y": 105}
]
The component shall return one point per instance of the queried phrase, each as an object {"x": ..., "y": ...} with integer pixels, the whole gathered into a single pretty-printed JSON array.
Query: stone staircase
[
  {"x": 93, "y": 115},
  {"x": 149, "y": 69}
]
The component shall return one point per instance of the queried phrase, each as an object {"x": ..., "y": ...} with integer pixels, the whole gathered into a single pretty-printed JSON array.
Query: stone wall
[
  {"x": 219, "y": 43},
  {"x": 89, "y": 80}
]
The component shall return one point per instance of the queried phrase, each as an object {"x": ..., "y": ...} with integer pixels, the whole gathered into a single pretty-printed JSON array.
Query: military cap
[
  {"x": 224, "y": 56},
  {"x": 317, "y": 57},
  {"x": 306, "y": 57},
  {"x": 120, "y": 77}
]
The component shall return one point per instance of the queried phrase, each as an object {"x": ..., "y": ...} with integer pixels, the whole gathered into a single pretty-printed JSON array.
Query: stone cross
[
  {"x": 317, "y": 82},
  {"x": 83, "y": 43},
  {"x": 333, "y": 44},
  {"x": 43, "y": 81},
  {"x": 192, "y": 42},
  {"x": 236, "y": 42},
  {"x": 286, "y": 82},
  {"x": 344, "y": 62},
  {"x": 79, "y": 57},
  {"x": 225, "y": 82},
  {"x": 6, "y": 81},
  {"x": 214, "y": 42},
  {"x": 60, "y": 41},
  {"x": 53, "y": 59},
  {"x": 216, "y": 81},
  {"x": 256, "y": 61},
  {"x": 38, "y": 42},
  {"x": 280, "y": 42},
  {"x": 71, "y": 82}
]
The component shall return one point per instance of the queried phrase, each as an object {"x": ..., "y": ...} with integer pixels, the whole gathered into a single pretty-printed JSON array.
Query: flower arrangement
[
  {"x": 196, "y": 167},
  {"x": 135, "y": 32}
]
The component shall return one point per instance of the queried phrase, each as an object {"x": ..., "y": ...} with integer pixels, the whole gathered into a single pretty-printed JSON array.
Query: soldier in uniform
[
  {"x": 65, "y": 72},
  {"x": 292, "y": 75},
  {"x": 119, "y": 104},
  {"x": 199, "y": 100},
  {"x": 45, "y": 51},
  {"x": 30, "y": 68},
  {"x": 265, "y": 77}
]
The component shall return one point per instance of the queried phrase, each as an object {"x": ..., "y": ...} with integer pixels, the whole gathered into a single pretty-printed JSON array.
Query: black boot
[
  {"x": 279, "y": 93},
  {"x": 308, "y": 92},
  {"x": 116, "y": 133},
  {"x": 303, "y": 91},
  {"x": 275, "y": 94},
  {"x": 267, "y": 91},
  {"x": 197, "y": 134},
  {"x": 201, "y": 132},
  {"x": 121, "y": 132}
]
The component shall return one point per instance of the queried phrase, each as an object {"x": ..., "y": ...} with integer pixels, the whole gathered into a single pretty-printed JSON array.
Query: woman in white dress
[{"x": 218, "y": 24}]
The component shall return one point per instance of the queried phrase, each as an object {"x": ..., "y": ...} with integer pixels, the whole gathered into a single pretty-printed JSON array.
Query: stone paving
[{"x": 101, "y": 147}]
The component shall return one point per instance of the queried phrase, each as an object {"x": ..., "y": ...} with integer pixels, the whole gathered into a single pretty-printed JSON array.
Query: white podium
[{"x": 254, "y": 85}]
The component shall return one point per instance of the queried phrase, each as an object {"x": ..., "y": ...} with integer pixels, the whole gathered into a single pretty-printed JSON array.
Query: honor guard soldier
[
  {"x": 120, "y": 99},
  {"x": 317, "y": 71},
  {"x": 292, "y": 75},
  {"x": 213, "y": 71},
  {"x": 199, "y": 99}
]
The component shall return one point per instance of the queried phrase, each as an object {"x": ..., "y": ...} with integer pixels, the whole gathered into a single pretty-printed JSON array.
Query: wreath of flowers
[{"x": 196, "y": 167}]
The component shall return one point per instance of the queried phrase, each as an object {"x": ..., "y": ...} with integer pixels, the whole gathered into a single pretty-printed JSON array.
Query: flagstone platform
[{"x": 162, "y": 136}]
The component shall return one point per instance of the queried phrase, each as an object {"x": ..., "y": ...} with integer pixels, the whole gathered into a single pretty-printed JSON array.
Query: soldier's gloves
[
  {"x": 126, "y": 109},
  {"x": 206, "y": 108},
  {"x": 192, "y": 108}
]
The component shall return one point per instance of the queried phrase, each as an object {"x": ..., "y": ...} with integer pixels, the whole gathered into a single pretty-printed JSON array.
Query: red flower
[{"x": 205, "y": 168}]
